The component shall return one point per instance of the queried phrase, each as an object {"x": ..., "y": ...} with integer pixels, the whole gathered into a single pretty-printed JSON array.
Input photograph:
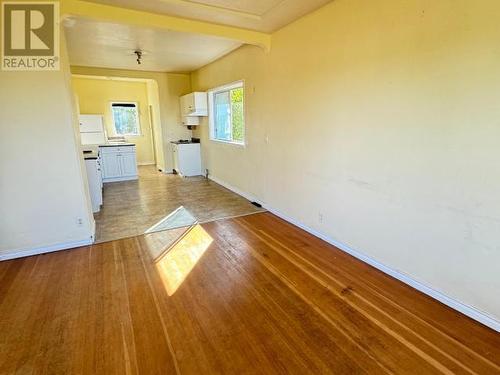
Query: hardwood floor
[
  {"x": 131, "y": 207},
  {"x": 252, "y": 294}
]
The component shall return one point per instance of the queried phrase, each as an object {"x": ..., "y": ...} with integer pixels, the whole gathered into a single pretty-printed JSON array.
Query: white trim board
[
  {"x": 118, "y": 179},
  {"x": 245, "y": 195},
  {"x": 45, "y": 249},
  {"x": 467, "y": 310}
]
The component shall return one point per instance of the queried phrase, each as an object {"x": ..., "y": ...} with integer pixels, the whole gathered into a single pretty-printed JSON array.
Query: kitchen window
[
  {"x": 125, "y": 118},
  {"x": 227, "y": 113}
]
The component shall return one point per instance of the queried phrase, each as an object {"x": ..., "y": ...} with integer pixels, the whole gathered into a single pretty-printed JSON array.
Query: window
[
  {"x": 125, "y": 118},
  {"x": 227, "y": 118}
]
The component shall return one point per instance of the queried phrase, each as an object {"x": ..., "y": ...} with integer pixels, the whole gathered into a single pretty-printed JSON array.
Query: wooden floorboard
[{"x": 252, "y": 294}]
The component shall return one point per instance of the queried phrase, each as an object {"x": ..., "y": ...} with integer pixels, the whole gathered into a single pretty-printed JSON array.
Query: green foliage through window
[
  {"x": 237, "y": 114},
  {"x": 228, "y": 112},
  {"x": 125, "y": 118}
]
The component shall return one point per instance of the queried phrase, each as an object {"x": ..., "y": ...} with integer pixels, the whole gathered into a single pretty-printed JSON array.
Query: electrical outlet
[{"x": 79, "y": 221}]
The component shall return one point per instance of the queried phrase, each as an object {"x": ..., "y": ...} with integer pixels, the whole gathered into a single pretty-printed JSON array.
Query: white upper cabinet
[
  {"x": 194, "y": 104},
  {"x": 191, "y": 120}
]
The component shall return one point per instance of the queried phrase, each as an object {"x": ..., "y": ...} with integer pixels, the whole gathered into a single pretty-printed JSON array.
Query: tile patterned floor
[{"x": 131, "y": 207}]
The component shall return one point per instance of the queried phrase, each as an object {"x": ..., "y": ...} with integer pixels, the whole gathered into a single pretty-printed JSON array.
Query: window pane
[
  {"x": 125, "y": 119},
  {"x": 227, "y": 114},
  {"x": 222, "y": 119},
  {"x": 237, "y": 114}
]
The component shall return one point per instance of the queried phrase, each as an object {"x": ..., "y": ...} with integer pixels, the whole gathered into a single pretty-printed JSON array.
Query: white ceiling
[
  {"x": 109, "y": 45},
  {"x": 261, "y": 15}
]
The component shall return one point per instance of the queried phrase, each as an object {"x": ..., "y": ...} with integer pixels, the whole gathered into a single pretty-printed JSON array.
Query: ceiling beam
[{"x": 109, "y": 13}]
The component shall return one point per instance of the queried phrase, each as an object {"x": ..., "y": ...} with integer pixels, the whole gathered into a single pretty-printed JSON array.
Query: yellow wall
[
  {"x": 44, "y": 200},
  {"x": 95, "y": 97},
  {"x": 170, "y": 88},
  {"x": 381, "y": 117}
]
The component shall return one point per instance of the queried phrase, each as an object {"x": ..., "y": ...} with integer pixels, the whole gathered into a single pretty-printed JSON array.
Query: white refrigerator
[{"x": 92, "y": 130}]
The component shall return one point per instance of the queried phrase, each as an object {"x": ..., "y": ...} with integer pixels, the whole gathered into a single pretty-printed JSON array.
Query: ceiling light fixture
[{"x": 139, "y": 56}]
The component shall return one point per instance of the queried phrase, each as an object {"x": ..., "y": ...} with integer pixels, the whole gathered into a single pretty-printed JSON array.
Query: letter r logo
[
  {"x": 28, "y": 29},
  {"x": 19, "y": 29}
]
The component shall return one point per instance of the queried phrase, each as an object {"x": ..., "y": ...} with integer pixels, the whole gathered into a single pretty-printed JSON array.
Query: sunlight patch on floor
[
  {"x": 177, "y": 261},
  {"x": 176, "y": 219}
]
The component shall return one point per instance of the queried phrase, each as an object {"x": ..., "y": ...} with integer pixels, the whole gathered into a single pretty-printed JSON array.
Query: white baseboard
[
  {"x": 250, "y": 197},
  {"x": 45, "y": 249},
  {"x": 146, "y": 163},
  {"x": 470, "y": 311},
  {"x": 119, "y": 179}
]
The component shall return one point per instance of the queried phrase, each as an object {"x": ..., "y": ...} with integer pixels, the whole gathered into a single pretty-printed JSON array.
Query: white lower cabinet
[
  {"x": 111, "y": 166},
  {"x": 119, "y": 163},
  {"x": 95, "y": 183},
  {"x": 187, "y": 159},
  {"x": 128, "y": 164}
]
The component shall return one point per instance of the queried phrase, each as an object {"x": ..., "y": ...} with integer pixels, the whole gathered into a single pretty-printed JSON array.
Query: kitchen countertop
[
  {"x": 93, "y": 155},
  {"x": 184, "y": 143},
  {"x": 91, "y": 152}
]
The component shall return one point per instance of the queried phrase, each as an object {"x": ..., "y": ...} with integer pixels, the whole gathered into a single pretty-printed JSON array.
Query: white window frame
[
  {"x": 137, "y": 119},
  {"x": 211, "y": 117}
]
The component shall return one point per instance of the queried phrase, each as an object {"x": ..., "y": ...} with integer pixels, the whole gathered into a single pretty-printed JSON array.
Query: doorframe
[{"x": 153, "y": 135}]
